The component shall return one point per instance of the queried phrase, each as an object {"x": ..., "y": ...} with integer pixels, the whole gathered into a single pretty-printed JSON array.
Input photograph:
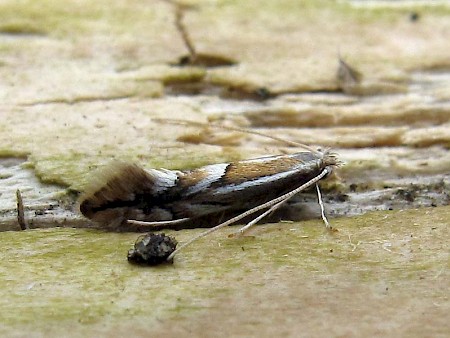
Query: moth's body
[{"x": 128, "y": 192}]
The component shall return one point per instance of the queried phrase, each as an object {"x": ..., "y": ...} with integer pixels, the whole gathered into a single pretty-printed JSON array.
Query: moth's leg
[
  {"x": 322, "y": 209},
  {"x": 157, "y": 223},
  {"x": 270, "y": 204},
  {"x": 245, "y": 228}
]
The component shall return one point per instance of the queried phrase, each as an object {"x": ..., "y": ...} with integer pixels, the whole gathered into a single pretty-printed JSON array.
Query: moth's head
[{"x": 330, "y": 159}]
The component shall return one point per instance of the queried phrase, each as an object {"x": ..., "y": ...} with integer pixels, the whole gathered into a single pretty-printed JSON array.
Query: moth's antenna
[{"x": 242, "y": 130}]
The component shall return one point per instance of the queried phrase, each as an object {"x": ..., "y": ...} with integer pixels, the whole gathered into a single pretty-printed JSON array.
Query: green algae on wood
[{"x": 81, "y": 277}]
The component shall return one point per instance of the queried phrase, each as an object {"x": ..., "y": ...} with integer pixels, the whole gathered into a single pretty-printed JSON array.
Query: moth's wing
[
  {"x": 114, "y": 193},
  {"x": 245, "y": 184},
  {"x": 195, "y": 190}
]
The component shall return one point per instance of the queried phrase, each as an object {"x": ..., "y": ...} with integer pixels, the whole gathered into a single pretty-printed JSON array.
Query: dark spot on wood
[
  {"x": 414, "y": 16},
  {"x": 152, "y": 249}
]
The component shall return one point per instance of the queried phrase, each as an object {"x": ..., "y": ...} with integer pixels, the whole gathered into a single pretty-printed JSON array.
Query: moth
[{"x": 125, "y": 193}]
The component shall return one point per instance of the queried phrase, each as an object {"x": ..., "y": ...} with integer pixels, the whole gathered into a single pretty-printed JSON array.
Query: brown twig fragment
[
  {"x": 20, "y": 212},
  {"x": 182, "y": 30},
  {"x": 179, "y": 24},
  {"x": 193, "y": 58}
]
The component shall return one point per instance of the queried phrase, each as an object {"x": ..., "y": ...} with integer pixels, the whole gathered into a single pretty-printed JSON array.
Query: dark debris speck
[{"x": 152, "y": 249}]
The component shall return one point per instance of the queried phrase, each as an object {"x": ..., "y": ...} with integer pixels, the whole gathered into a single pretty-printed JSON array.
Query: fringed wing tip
[{"x": 118, "y": 181}]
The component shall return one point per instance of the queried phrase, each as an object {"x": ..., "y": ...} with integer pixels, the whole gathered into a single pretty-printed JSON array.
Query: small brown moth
[{"x": 128, "y": 194}]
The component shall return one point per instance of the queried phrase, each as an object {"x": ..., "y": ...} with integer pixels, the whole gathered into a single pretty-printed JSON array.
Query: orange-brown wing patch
[
  {"x": 239, "y": 172},
  {"x": 192, "y": 177}
]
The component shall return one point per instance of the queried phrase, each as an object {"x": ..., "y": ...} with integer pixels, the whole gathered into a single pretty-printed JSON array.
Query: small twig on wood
[
  {"x": 20, "y": 212},
  {"x": 181, "y": 28},
  {"x": 179, "y": 24}
]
